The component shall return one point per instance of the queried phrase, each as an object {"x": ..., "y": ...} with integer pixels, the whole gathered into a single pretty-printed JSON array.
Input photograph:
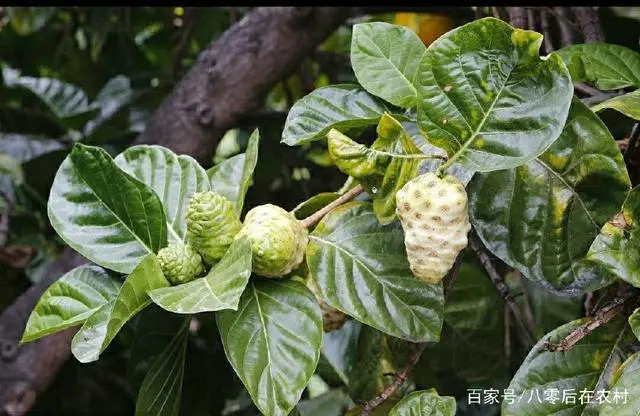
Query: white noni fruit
[{"x": 435, "y": 218}]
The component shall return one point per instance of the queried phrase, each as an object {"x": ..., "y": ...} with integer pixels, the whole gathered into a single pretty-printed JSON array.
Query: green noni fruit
[
  {"x": 278, "y": 240},
  {"x": 212, "y": 224},
  {"x": 435, "y": 218},
  {"x": 180, "y": 263}
]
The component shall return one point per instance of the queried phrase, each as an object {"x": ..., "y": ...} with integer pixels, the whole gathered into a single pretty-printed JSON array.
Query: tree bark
[
  {"x": 589, "y": 22},
  {"x": 232, "y": 76},
  {"x": 26, "y": 370},
  {"x": 228, "y": 82}
]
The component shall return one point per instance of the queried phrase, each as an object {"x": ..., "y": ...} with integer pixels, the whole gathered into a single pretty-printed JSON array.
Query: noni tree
[{"x": 479, "y": 142}]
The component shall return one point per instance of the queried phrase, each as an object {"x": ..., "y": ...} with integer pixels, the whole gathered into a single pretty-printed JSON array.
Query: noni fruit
[
  {"x": 212, "y": 224},
  {"x": 180, "y": 263},
  {"x": 278, "y": 240},
  {"x": 435, "y": 218},
  {"x": 332, "y": 318}
]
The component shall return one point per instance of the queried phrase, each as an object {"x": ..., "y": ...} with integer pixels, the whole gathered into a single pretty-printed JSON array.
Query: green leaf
[
  {"x": 374, "y": 361},
  {"x": 70, "y": 301},
  {"x": 384, "y": 168},
  {"x": 589, "y": 365},
  {"x": 103, "y": 213},
  {"x": 113, "y": 99},
  {"x": 542, "y": 217},
  {"x": 313, "y": 204},
  {"x": 25, "y": 147},
  {"x": 361, "y": 268},
  {"x": 341, "y": 107},
  {"x": 472, "y": 341},
  {"x": 273, "y": 342},
  {"x": 634, "y": 322},
  {"x": 425, "y": 403},
  {"x": 173, "y": 178},
  {"x": 627, "y": 104},
  {"x": 488, "y": 99},
  {"x": 607, "y": 66},
  {"x": 63, "y": 99},
  {"x": 339, "y": 349},
  {"x": 616, "y": 247},
  {"x": 161, "y": 389},
  {"x": 625, "y": 391},
  {"x": 232, "y": 177},
  {"x": 154, "y": 330},
  {"x": 332, "y": 403},
  {"x": 28, "y": 20},
  {"x": 220, "y": 289},
  {"x": 102, "y": 327},
  {"x": 385, "y": 59}
]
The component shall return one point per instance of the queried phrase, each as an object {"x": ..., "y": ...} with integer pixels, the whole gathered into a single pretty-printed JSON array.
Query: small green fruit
[
  {"x": 434, "y": 215},
  {"x": 180, "y": 263},
  {"x": 212, "y": 224},
  {"x": 278, "y": 240}
]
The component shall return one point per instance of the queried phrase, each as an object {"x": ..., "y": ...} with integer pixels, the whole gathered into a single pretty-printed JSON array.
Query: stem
[
  {"x": 399, "y": 379},
  {"x": 586, "y": 89},
  {"x": 485, "y": 260},
  {"x": 603, "y": 316},
  {"x": 313, "y": 219}
]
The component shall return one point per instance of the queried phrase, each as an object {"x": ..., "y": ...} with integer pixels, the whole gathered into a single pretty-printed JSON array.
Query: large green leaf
[
  {"x": 25, "y": 147},
  {"x": 219, "y": 289},
  {"x": 384, "y": 168},
  {"x": 108, "y": 216},
  {"x": 111, "y": 101},
  {"x": 332, "y": 403},
  {"x": 173, "y": 178},
  {"x": 63, "y": 99},
  {"x": 102, "y": 327},
  {"x": 341, "y": 106},
  {"x": 273, "y": 342},
  {"x": 232, "y": 177},
  {"x": 541, "y": 218},
  {"x": 607, "y": 66},
  {"x": 487, "y": 97},
  {"x": 589, "y": 365},
  {"x": 70, "y": 301},
  {"x": 624, "y": 396},
  {"x": 339, "y": 349},
  {"x": 161, "y": 389},
  {"x": 472, "y": 341},
  {"x": 385, "y": 59},
  {"x": 374, "y": 361},
  {"x": 617, "y": 246},
  {"x": 361, "y": 269},
  {"x": 425, "y": 403},
  {"x": 154, "y": 330},
  {"x": 627, "y": 104}
]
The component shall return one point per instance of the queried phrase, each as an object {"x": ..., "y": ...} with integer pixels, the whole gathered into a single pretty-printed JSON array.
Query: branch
[
  {"x": 562, "y": 18},
  {"x": 589, "y": 22},
  {"x": 603, "y": 316},
  {"x": 26, "y": 370},
  {"x": 546, "y": 31},
  {"x": 233, "y": 74},
  {"x": 517, "y": 17},
  {"x": 313, "y": 219},
  {"x": 485, "y": 260},
  {"x": 398, "y": 381},
  {"x": 586, "y": 89},
  {"x": 631, "y": 144}
]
